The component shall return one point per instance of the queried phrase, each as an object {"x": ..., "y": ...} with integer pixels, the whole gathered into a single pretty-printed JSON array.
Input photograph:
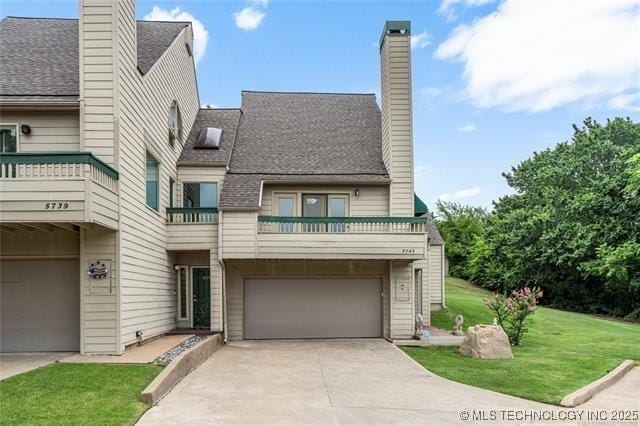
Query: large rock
[{"x": 486, "y": 342}]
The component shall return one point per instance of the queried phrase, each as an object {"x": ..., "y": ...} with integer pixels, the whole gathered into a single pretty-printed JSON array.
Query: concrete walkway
[
  {"x": 134, "y": 354},
  {"x": 18, "y": 363},
  {"x": 623, "y": 395},
  {"x": 320, "y": 382}
]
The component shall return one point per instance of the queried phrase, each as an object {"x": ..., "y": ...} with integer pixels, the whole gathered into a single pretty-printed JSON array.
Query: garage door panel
[
  {"x": 313, "y": 308},
  {"x": 39, "y": 305}
]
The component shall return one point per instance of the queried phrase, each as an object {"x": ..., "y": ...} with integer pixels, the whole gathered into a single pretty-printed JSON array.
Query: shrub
[{"x": 512, "y": 311}]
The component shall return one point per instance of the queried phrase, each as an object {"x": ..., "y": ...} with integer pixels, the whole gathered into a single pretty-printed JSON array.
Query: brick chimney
[{"x": 397, "y": 117}]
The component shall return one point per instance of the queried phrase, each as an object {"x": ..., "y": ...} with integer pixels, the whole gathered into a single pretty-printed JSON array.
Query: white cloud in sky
[
  {"x": 431, "y": 92},
  {"x": 448, "y": 7},
  {"x": 460, "y": 194},
  {"x": 249, "y": 18},
  {"x": 626, "y": 101},
  {"x": 535, "y": 56},
  {"x": 420, "y": 40},
  {"x": 209, "y": 105},
  {"x": 467, "y": 128},
  {"x": 200, "y": 34}
]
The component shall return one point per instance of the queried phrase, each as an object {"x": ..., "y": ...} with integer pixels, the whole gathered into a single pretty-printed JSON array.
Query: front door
[{"x": 201, "y": 298}]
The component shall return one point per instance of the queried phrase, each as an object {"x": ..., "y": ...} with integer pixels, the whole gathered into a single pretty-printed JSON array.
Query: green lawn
[
  {"x": 105, "y": 394},
  {"x": 562, "y": 352}
]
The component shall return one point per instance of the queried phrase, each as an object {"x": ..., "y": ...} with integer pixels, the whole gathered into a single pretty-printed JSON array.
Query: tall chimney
[{"x": 397, "y": 120}]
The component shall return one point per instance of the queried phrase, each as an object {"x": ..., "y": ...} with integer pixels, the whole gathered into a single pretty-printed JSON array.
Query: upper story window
[
  {"x": 200, "y": 194},
  {"x": 175, "y": 124},
  {"x": 8, "y": 138},
  {"x": 152, "y": 178}
]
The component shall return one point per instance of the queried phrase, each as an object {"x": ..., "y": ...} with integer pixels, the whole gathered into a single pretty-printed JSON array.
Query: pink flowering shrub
[{"x": 512, "y": 311}]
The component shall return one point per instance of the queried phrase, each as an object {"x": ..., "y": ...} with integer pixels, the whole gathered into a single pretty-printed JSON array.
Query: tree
[
  {"x": 572, "y": 227},
  {"x": 459, "y": 225}
]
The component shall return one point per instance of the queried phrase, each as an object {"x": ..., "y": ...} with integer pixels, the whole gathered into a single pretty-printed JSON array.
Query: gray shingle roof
[
  {"x": 225, "y": 119},
  {"x": 308, "y": 133},
  {"x": 303, "y": 137},
  {"x": 40, "y": 55},
  {"x": 432, "y": 230}
]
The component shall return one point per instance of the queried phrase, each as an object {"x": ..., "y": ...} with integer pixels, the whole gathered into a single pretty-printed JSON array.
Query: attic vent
[{"x": 209, "y": 138}]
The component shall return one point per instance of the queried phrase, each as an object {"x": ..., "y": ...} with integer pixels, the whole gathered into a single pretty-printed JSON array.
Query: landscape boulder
[{"x": 486, "y": 342}]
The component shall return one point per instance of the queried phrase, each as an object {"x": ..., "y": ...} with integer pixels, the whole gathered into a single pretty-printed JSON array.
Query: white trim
[{"x": 180, "y": 285}]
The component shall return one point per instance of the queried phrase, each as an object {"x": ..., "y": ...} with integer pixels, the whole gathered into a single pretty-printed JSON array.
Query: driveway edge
[
  {"x": 177, "y": 369},
  {"x": 587, "y": 392}
]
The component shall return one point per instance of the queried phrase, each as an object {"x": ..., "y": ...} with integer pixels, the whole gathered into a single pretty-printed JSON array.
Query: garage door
[
  {"x": 277, "y": 308},
  {"x": 39, "y": 305}
]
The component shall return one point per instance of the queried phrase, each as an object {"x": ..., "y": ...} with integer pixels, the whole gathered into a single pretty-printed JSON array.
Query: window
[
  {"x": 183, "y": 294},
  {"x": 285, "y": 206},
  {"x": 8, "y": 138},
  {"x": 152, "y": 179},
  {"x": 175, "y": 124},
  {"x": 418, "y": 290},
  {"x": 172, "y": 192},
  {"x": 200, "y": 194},
  {"x": 323, "y": 205},
  {"x": 338, "y": 208}
]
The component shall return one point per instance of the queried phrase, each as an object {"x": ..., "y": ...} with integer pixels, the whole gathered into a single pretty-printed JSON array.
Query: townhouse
[{"x": 127, "y": 211}]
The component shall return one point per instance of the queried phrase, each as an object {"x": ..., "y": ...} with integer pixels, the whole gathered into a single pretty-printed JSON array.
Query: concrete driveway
[
  {"x": 319, "y": 382},
  {"x": 18, "y": 363}
]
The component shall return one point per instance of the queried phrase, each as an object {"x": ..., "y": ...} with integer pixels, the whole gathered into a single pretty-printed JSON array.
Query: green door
[{"x": 201, "y": 298}]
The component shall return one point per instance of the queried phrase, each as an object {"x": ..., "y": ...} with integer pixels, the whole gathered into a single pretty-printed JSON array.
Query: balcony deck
[
  {"x": 57, "y": 188},
  {"x": 341, "y": 238},
  {"x": 192, "y": 228}
]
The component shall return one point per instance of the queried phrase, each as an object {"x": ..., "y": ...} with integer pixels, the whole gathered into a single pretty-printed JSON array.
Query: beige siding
[
  {"x": 58, "y": 243},
  {"x": 189, "y": 236},
  {"x": 237, "y": 271},
  {"x": 397, "y": 138},
  {"x": 99, "y": 297},
  {"x": 239, "y": 234},
  {"x": 99, "y": 79},
  {"x": 436, "y": 281},
  {"x": 215, "y": 280},
  {"x": 426, "y": 296},
  {"x": 50, "y": 131},
  {"x": 402, "y": 307},
  {"x": 339, "y": 246},
  {"x": 372, "y": 201}
]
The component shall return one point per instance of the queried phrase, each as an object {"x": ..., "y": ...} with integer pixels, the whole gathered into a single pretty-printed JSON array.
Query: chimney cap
[{"x": 395, "y": 28}]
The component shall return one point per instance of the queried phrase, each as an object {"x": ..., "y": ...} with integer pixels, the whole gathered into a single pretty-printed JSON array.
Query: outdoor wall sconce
[
  {"x": 357, "y": 192},
  {"x": 25, "y": 129}
]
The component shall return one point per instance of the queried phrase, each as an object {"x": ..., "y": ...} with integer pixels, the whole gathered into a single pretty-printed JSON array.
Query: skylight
[{"x": 209, "y": 138}]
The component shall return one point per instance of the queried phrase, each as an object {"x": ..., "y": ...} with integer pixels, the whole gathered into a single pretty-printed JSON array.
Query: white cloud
[
  {"x": 627, "y": 101},
  {"x": 209, "y": 105},
  {"x": 249, "y": 18},
  {"x": 431, "y": 92},
  {"x": 459, "y": 194},
  {"x": 535, "y": 56},
  {"x": 447, "y": 7},
  {"x": 467, "y": 128},
  {"x": 200, "y": 34},
  {"x": 420, "y": 40}
]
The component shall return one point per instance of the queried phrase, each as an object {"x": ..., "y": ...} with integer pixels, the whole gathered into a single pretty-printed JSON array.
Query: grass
[
  {"x": 75, "y": 394},
  {"x": 562, "y": 351}
]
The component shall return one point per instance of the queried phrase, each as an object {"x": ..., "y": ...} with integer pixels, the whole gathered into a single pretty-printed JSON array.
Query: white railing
[{"x": 354, "y": 225}]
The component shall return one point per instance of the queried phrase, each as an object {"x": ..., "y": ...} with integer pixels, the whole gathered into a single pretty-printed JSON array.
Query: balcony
[
  {"x": 57, "y": 188},
  {"x": 341, "y": 238},
  {"x": 192, "y": 228}
]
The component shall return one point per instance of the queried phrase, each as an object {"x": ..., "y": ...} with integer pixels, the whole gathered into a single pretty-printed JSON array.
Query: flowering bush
[{"x": 512, "y": 311}]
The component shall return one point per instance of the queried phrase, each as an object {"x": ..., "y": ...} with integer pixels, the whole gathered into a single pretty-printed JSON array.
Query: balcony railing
[
  {"x": 192, "y": 215},
  {"x": 57, "y": 166},
  {"x": 353, "y": 225}
]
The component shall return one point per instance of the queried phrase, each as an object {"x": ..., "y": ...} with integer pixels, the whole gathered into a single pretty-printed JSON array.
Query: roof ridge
[
  {"x": 42, "y": 18},
  {"x": 308, "y": 93}
]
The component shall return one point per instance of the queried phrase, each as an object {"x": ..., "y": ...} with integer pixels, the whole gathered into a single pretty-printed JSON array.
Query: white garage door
[
  {"x": 298, "y": 308},
  {"x": 39, "y": 305}
]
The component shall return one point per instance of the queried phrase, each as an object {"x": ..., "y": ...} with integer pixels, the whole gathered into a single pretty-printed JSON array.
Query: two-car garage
[
  {"x": 298, "y": 308},
  {"x": 39, "y": 305}
]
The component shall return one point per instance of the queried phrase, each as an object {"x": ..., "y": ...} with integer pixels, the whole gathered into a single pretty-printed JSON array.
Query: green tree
[
  {"x": 459, "y": 225},
  {"x": 573, "y": 225}
]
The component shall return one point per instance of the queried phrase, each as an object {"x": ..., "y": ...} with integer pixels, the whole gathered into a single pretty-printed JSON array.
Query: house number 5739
[{"x": 56, "y": 206}]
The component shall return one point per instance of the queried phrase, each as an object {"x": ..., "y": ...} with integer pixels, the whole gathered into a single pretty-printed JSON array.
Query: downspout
[{"x": 224, "y": 279}]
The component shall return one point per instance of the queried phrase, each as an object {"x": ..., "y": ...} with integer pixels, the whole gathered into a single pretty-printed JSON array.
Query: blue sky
[{"x": 493, "y": 81}]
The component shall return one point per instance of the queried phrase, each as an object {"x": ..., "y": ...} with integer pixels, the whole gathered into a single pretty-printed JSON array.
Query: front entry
[{"x": 201, "y": 297}]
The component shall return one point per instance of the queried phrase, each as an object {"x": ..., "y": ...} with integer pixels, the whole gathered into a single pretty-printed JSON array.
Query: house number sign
[
  {"x": 408, "y": 251},
  {"x": 56, "y": 205}
]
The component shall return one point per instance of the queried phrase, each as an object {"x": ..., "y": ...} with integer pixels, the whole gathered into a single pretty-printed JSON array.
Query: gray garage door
[
  {"x": 291, "y": 308},
  {"x": 39, "y": 305}
]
